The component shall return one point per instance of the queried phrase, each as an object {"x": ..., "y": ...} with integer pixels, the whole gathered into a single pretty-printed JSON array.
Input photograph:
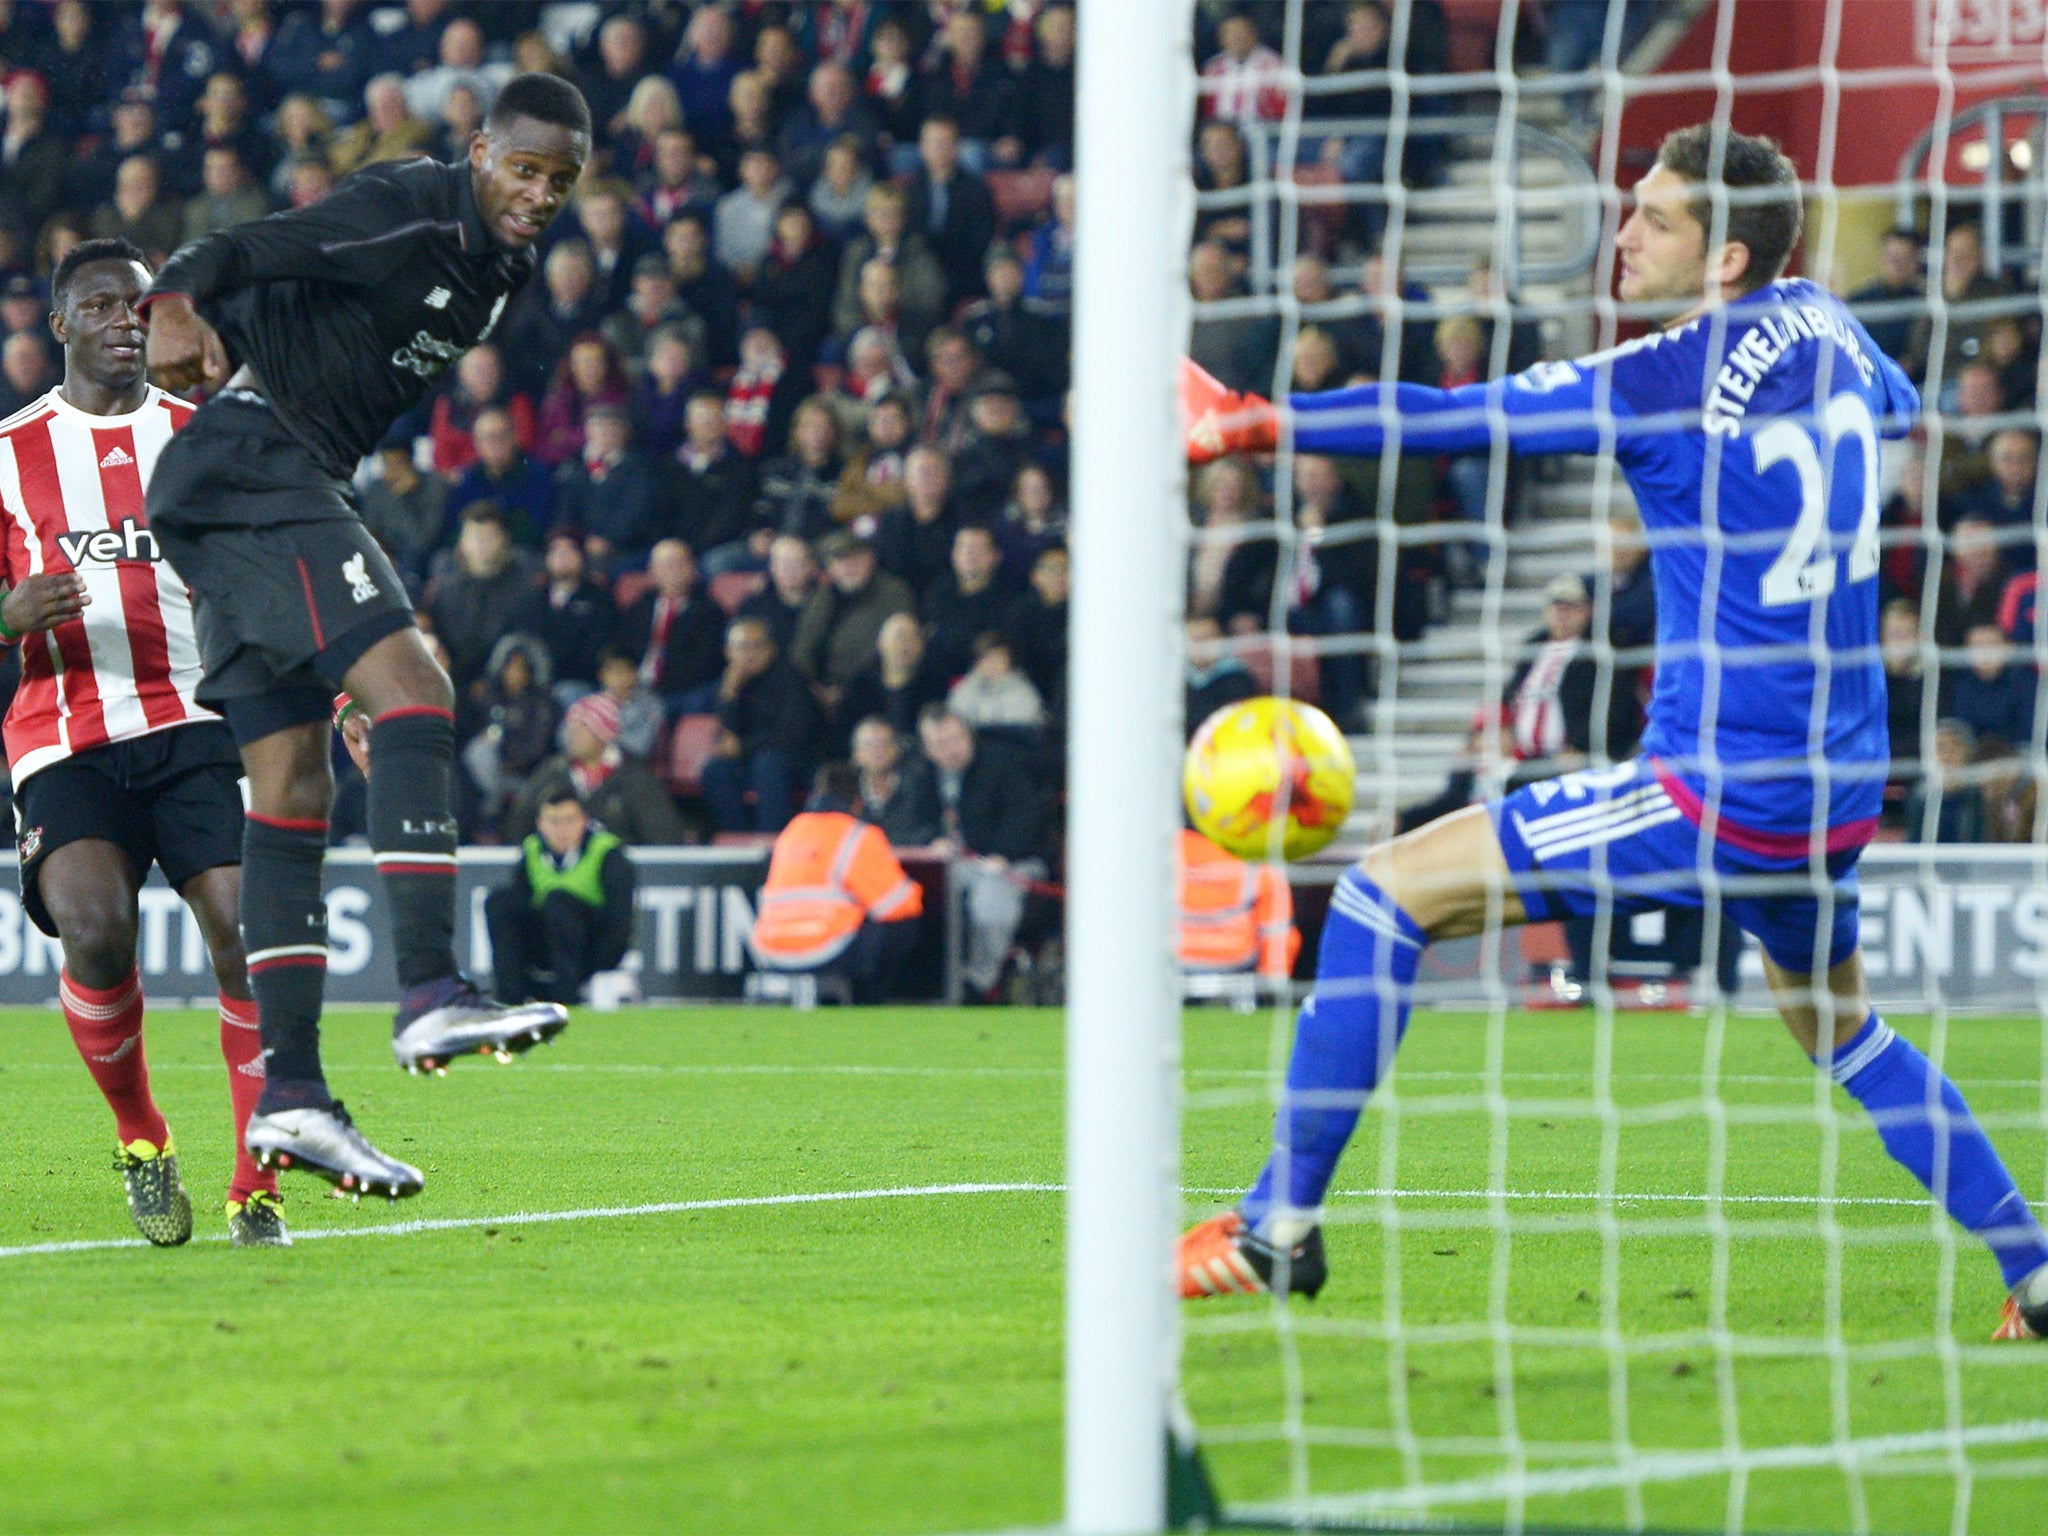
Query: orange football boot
[{"x": 1221, "y": 421}]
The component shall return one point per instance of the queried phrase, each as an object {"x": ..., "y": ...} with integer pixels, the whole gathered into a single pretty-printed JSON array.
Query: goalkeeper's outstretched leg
[{"x": 1533, "y": 857}]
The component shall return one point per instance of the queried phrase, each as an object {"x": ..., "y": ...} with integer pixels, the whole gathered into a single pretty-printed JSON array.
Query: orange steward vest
[
  {"x": 829, "y": 873},
  {"x": 1233, "y": 915}
]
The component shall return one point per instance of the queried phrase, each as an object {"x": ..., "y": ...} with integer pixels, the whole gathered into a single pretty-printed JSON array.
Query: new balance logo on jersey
[
  {"x": 115, "y": 457},
  {"x": 353, "y": 571},
  {"x": 130, "y": 541},
  {"x": 438, "y": 298}
]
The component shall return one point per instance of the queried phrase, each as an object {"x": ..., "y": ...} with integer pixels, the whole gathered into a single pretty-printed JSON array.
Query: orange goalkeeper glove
[{"x": 1219, "y": 421}]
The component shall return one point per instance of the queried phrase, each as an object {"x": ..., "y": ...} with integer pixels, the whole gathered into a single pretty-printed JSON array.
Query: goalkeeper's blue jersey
[{"x": 1750, "y": 438}]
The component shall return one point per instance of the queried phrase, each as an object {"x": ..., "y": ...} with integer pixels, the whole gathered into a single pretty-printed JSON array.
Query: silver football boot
[
  {"x": 326, "y": 1143},
  {"x": 453, "y": 1019}
]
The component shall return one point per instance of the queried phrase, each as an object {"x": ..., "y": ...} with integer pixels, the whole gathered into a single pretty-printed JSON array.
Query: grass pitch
[{"x": 891, "y": 1362}]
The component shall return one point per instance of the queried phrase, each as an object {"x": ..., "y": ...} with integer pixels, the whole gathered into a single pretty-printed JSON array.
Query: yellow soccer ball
[{"x": 1249, "y": 758}]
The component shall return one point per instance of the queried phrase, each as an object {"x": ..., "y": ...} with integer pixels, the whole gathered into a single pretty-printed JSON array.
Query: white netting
[{"x": 1611, "y": 1267}]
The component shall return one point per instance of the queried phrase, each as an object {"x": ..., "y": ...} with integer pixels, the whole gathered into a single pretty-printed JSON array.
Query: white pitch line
[
  {"x": 593, "y": 1213},
  {"x": 1659, "y": 1467}
]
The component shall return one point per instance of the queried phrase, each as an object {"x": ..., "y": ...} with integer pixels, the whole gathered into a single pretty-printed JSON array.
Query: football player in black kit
[{"x": 326, "y": 323}]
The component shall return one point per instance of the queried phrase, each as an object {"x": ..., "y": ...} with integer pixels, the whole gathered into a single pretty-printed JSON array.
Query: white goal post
[{"x": 1134, "y": 109}]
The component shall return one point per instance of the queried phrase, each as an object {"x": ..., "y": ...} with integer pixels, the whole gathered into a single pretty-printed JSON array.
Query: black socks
[
  {"x": 412, "y": 830},
  {"x": 284, "y": 931}
]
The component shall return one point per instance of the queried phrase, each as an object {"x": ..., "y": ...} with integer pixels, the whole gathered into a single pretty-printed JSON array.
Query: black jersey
[{"x": 349, "y": 309}]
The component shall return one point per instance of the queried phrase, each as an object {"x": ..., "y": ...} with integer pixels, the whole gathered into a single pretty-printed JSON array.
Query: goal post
[{"x": 1134, "y": 105}]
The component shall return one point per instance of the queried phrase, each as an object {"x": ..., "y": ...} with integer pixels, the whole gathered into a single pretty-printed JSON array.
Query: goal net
[{"x": 1606, "y": 1251}]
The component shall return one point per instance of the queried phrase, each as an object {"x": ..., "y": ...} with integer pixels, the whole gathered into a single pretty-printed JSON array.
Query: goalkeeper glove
[{"x": 1221, "y": 421}]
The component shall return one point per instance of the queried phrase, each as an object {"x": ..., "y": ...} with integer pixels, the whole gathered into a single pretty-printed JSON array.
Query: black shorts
[
  {"x": 289, "y": 589},
  {"x": 172, "y": 798}
]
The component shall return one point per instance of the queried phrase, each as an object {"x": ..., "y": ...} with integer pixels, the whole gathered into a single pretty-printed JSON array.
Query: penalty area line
[{"x": 593, "y": 1213}]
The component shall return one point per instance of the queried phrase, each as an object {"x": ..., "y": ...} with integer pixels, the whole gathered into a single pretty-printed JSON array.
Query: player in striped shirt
[
  {"x": 116, "y": 766},
  {"x": 1748, "y": 429}
]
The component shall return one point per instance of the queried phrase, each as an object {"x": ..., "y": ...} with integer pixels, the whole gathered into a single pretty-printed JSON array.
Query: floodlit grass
[{"x": 892, "y": 1363}]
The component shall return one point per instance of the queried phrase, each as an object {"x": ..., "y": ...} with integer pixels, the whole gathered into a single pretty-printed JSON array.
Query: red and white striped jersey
[{"x": 71, "y": 493}]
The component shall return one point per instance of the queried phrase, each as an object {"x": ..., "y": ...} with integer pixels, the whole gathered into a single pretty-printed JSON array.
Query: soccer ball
[{"x": 1248, "y": 757}]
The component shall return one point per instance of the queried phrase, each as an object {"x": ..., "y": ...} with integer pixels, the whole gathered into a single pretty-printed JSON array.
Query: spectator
[
  {"x": 1359, "y": 158},
  {"x": 780, "y": 64},
  {"x": 90, "y": 177},
  {"x": 1549, "y": 702},
  {"x": 1889, "y": 307},
  {"x": 32, "y": 157},
  {"x": 1965, "y": 459},
  {"x": 1037, "y": 623},
  {"x": 1973, "y": 584},
  {"x": 2010, "y": 793},
  {"x": 745, "y": 217},
  {"x": 26, "y": 373},
  {"x": 74, "y": 66},
  {"x": 1970, "y": 294},
  {"x": 414, "y": 43},
  {"x": 1905, "y": 677},
  {"x": 22, "y": 305},
  {"x": 1900, "y": 528},
  {"x": 2006, "y": 499},
  {"x": 1318, "y": 365},
  {"x": 887, "y": 238},
  {"x": 1045, "y": 96},
  {"x": 405, "y": 510},
  {"x": 517, "y": 733},
  {"x": 566, "y": 911},
  {"x": 227, "y": 198},
  {"x": 604, "y": 213},
  {"x": 1229, "y": 498},
  {"x": 903, "y": 805},
  {"x": 678, "y": 634},
  {"x": 1993, "y": 693},
  {"x": 140, "y": 213},
  {"x": 167, "y": 50},
  {"x": 996, "y": 449},
  {"x": 898, "y": 683},
  {"x": 661, "y": 398},
  {"x": 872, "y": 482},
  {"x": 835, "y": 899},
  {"x": 2012, "y": 351},
  {"x": 797, "y": 488},
  {"x": 792, "y": 577},
  {"x": 1576, "y": 39},
  {"x": 752, "y": 126},
  {"x": 622, "y": 62},
  {"x": 1525, "y": 337},
  {"x": 569, "y": 614},
  {"x": 590, "y": 376},
  {"x": 1238, "y": 349},
  {"x": 675, "y": 182},
  {"x": 1222, "y": 164},
  {"x": 479, "y": 385},
  {"x": 473, "y": 602},
  {"x": 1245, "y": 81},
  {"x": 460, "y": 66},
  {"x": 311, "y": 181},
  {"x": 1954, "y": 812},
  {"x": 704, "y": 288},
  {"x": 1460, "y": 340},
  {"x": 952, "y": 209},
  {"x": 620, "y": 792},
  {"x": 965, "y": 85},
  {"x": 768, "y": 732},
  {"x": 833, "y": 113},
  {"x": 327, "y": 56},
  {"x": 387, "y": 131},
  {"x": 954, "y": 365},
  {"x": 520, "y": 487},
  {"x": 762, "y": 399},
  {"x": 839, "y": 193},
  {"x": 564, "y": 306},
  {"x": 609, "y": 492},
  {"x": 704, "y": 72},
  {"x": 1049, "y": 269},
  {"x": 1632, "y": 585},
  {"x": 1033, "y": 517},
  {"x": 991, "y": 822},
  {"x": 891, "y": 83},
  {"x": 836, "y": 633},
  {"x": 223, "y": 124},
  {"x": 1475, "y": 767},
  {"x": 1029, "y": 346},
  {"x": 714, "y": 488},
  {"x": 994, "y": 694},
  {"x": 793, "y": 289},
  {"x": 641, "y": 716},
  {"x": 1216, "y": 677},
  {"x": 967, "y": 602},
  {"x": 875, "y": 368},
  {"x": 303, "y": 132}
]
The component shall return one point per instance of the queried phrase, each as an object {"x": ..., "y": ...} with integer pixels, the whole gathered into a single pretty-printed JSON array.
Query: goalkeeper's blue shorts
[{"x": 1620, "y": 836}]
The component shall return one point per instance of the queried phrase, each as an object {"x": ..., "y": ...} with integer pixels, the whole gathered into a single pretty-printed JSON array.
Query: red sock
[
  {"x": 242, "y": 1048},
  {"x": 107, "y": 1029}
]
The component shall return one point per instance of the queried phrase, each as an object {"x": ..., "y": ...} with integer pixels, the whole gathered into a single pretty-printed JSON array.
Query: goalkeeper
[{"x": 1748, "y": 429}]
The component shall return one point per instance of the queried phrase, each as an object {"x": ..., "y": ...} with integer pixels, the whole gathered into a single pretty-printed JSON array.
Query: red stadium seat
[
  {"x": 690, "y": 746},
  {"x": 731, "y": 588},
  {"x": 629, "y": 588}
]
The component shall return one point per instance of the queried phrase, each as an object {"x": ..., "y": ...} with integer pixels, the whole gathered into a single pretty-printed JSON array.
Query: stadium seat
[
  {"x": 690, "y": 746},
  {"x": 731, "y": 588},
  {"x": 629, "y": 587}
]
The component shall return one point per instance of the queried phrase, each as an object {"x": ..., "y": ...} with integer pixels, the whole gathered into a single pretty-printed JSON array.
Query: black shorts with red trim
[{"x": 172, "y": 798}]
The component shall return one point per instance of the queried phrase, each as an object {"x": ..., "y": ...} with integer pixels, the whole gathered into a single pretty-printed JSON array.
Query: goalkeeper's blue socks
[
  {"x": 1929, "y": 1131},
  {"x": 1344, "y": 1044}
]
